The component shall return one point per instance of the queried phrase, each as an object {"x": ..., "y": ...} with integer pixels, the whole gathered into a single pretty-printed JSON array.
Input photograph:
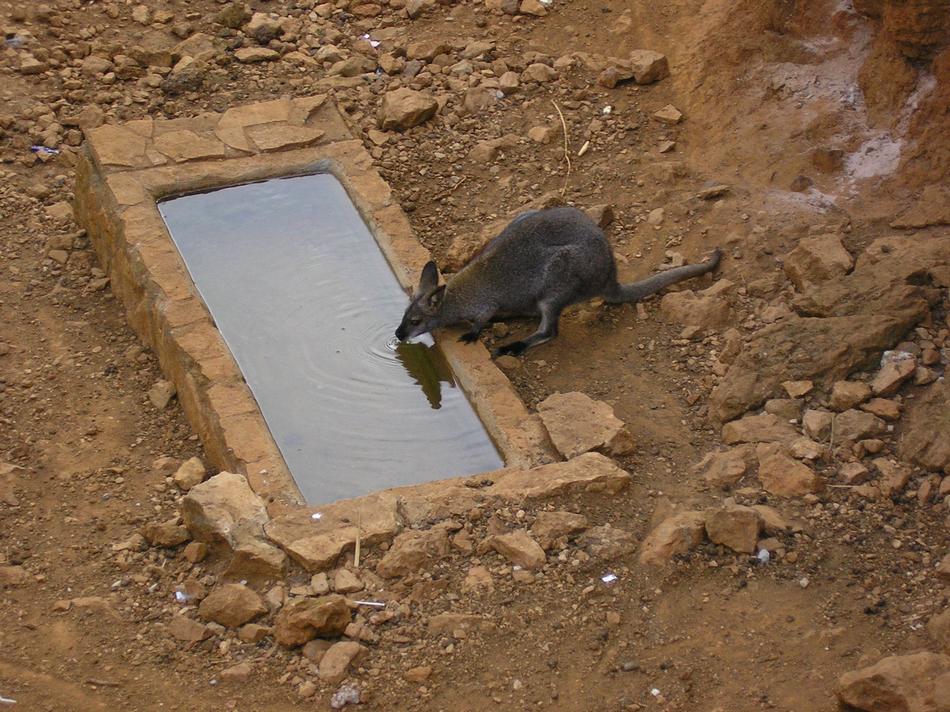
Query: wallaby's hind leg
[{"x": 547, "y": 330}]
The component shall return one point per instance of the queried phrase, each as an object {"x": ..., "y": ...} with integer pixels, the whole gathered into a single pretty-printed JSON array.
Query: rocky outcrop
[
  {"x": 816, "y": 260},
  {"x": 895, "y": 276},
  {"x": 404, "y": 108},
  {"x": 799, "y": 348},
  {"x": 925, "y": 440},
  {"x": 901, "y": 683}
]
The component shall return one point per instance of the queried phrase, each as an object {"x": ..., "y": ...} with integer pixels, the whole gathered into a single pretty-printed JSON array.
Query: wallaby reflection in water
[{"x": 428, "y": 367}]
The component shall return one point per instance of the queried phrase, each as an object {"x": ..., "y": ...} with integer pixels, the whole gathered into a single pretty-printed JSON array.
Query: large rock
[
  {"x": 224, "y": 510},
  {"x": 691, "y": 309},
  {"x": 938, "y": 628},
  {"x": 256, "y": 559},
  {"x": 304, "y": 619},
  {"x": 800, "y": 348},
  {"x": 816, "y": 260},
  {"x": 648, "y": 66},
  {"x": 785, "y": 476},
  {"x": 428, "y": 49},
  {"x": 894, "y": 476},
  {"x": 520, "y": 549},
  {"x": 232, "y": 605},
  {"x": 263, "y": 27},
  {"x": 13, "y": 576},
  {"x": 188, "y": 630},
  {"x": 404, "y": 108},
  {"x": 893, "y": 277},
  {"x": 550, "y": 527},
  {"x": 93, "y": 65},
  {"x": 190, "y": 474},
  {"x": 675, "y": 535},
  {"x": 943, "y": 569},
  {"x": 901, "y": 683},
  {"x": 412, "y": 551},
  {"x": 735, "y": 527},
  {"x": 479, "y": 99},
  {"x": 848, "y": 394},
  {"x": 336, "y": 662},
  {"x": 853, "y": 425},
  {"x": 590, "y": 472},
  {"x": 817, "y": 423},
  {"x": 478, "y": 580},
  {"x": 234, "y": 14},
  {"x": 764, "y": 428},
  {"x": 579, "y": 424},
  {"x": 169, "y": 533},
  {"x": 725, "y": 469},
  {"x": 198, "y": 46},
  {"x": 254, "y": 55},
  {"x": 925, "y": 440},
  {"x": 538, "y": 72},
  {"x": 607, "y": 542},
  {"x": 487, "y": 151},
  {"x": 898, "y": 369}
]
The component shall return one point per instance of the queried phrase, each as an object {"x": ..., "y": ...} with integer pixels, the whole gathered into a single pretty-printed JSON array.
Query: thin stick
[
  {"x": 451, "y": 190},
  {"x": 359, "y": 537},
  {"x": 567, "y": 152}
]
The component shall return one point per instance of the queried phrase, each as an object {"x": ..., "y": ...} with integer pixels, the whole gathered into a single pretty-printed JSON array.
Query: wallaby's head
[{"x": 422, "y": 314}]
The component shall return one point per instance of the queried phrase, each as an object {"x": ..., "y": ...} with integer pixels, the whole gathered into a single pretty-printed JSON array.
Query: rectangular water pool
[{"x": 308, "y": 304}]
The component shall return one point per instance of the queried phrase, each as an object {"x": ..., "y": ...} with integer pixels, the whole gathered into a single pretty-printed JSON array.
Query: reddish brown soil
[{"x": 762, "y": 86}]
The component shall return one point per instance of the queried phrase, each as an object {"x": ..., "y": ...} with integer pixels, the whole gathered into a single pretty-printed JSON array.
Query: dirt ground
[{"x": 819, "y": 117}]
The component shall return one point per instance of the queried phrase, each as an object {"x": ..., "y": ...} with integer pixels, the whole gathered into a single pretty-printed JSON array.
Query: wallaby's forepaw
[
  {"x": 469, "y": 337},
  {"x": 515, "y": 348}
]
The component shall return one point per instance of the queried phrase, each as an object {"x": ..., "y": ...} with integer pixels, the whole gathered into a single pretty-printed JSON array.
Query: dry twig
[
  {"x": 359, "y": 538},
  {"x": 567, "y": 152},
  {"x": 451, "y": 190}
]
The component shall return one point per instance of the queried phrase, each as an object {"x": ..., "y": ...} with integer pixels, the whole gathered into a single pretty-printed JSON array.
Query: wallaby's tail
[{"x": 651, "y": 285}]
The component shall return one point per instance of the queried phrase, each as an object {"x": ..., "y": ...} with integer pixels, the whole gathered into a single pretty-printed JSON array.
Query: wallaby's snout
[{"x": 422, "y": 314}]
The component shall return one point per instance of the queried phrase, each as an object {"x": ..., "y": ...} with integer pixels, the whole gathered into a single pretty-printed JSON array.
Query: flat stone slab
[
  {"x": 269, "y": 138},
  {"x": 316, "y": 537}
]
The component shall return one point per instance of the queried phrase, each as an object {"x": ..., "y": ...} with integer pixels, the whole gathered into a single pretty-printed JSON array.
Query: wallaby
[{"x": 542, "y": 262}]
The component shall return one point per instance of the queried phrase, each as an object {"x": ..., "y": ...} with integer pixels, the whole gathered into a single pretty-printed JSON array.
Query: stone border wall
[{"x": 124, "y": 170}]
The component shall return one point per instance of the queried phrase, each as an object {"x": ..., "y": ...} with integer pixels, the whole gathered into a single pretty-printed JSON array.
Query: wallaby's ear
[
  {"x": 435, "y": 299},
  {"x": 430, "y": 277}
]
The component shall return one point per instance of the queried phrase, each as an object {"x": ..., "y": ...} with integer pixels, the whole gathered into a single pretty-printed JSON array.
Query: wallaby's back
[{"x": 558, "y": 253}]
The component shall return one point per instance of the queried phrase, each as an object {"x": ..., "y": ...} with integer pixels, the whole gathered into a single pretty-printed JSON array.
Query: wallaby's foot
[
  {"x": 469, "y": 337},
  {"x": 515, "y": 348}
]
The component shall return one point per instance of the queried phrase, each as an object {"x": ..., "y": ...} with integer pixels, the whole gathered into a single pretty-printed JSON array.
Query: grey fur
[{"x": 541, "y": 262}]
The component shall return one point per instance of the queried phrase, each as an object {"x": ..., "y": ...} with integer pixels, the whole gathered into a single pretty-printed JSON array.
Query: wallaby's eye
[{"x": 415, "y": 321}]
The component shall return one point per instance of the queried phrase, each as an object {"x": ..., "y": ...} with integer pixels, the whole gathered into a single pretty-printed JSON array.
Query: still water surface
[{"x": 308, "y": 305}]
